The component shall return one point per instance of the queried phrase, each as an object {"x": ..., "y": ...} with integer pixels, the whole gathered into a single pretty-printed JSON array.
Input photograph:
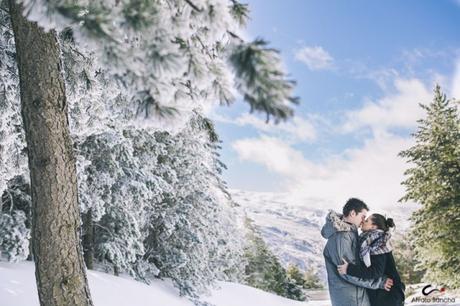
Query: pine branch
[
  {"x": 240, "y": 12},
  {"x": 5, "y": 10},
  {"x": 5, "y": 26},
  {"x": 196, "y": 8},
  {"x": 235, "y": 36}
]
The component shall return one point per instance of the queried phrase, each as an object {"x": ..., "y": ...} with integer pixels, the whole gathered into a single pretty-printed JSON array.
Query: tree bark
[
  {"x": 88, "y": 239},
  {"x": 59, "y": 267}
]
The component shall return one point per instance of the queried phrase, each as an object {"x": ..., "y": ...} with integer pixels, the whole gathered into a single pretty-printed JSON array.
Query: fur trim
[{"x": 338, "y": 223}]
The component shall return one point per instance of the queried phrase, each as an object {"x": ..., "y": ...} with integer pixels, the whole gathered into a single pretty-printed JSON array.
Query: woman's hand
[{"x": 343, "y": 268}]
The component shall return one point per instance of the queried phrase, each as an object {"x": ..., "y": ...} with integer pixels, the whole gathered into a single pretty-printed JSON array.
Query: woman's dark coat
[{"x": 383, "y": 264}]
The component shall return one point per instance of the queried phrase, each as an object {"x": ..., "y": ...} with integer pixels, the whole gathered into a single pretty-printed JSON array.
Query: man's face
[{"x": 358, "y": 218}]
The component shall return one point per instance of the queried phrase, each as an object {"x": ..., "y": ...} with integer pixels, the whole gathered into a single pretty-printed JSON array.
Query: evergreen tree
[
  {"x": 15, "y": 220},
  {"x": 263, "y": 269},
  {"x": 167, "y": 55},
  {"x": 294, "y": 274},
  {"x": 170, "y": 52},
  {"x": 13, "y": 155},
  {"x": 194, "y": 242},
  {"x": 406, "y": 262},
  {"x": 59, "y": 267},
  {"x": 434, "y": 181},
  {"x": 294, "y": 291},
  {"x": 159, "y": 206},
  {"x": 311, "y": 280}
]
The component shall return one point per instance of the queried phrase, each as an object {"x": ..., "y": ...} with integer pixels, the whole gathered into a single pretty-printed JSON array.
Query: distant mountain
[{"x": 292, "y": 230}]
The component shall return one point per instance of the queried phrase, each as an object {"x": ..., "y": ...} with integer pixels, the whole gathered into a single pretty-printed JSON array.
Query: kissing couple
[{"x": 361, "y": 270}]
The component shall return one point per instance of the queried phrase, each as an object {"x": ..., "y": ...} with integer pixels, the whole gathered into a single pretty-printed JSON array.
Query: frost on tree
[
  {"x": 13, "y": 157},
  {"x": 14, "y": 196},
  {"x": 174, "y": 55},
  {"x": 149, "y": 184},
  {"x": 160, "y": 207},
  {"x": 15, "y": 219}
]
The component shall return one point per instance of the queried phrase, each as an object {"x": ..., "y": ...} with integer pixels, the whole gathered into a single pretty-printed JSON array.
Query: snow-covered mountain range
[{"x": 291, "y": 228}]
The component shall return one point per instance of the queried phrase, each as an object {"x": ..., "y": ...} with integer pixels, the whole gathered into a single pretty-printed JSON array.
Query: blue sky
[{"x": 361, "y": 69}]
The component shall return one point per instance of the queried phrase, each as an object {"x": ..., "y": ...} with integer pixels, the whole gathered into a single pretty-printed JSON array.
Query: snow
[
  {"x": 232, "y": 294},
  {"x": 17, "y": 288},
  {"x": 291, "y": 227}
]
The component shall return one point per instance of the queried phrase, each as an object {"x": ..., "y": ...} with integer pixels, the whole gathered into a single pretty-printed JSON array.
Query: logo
[
  {"x": 426, "y": 292},
  {"x": 437, "y": 298}
]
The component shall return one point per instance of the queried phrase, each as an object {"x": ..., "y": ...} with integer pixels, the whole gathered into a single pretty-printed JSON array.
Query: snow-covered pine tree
[
  {"x": 434, "y": 181},
  {"x": 263, "y": 269},
  {"x": 13, "y": 156},
  {"x": 408, "y": 266},
  {"x": 113, "y": 194},
  {"x": 168, "y": 52},
  {"x": 193, "y": 240},
  {"x": 311, "y": 280},
  {"x": 15, "y": 219},
  {"x": 144, "y": 44},
  {"x": 168, "y": 186},
  {"x": 98, "y": 140},
  {"x": 14, "y": 186}
]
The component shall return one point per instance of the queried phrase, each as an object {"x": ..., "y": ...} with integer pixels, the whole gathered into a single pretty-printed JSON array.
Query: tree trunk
[
  {"x": 88, "y": 239},
  {"x": 116, "y": 271},
  {"x": 59, "y": 266}
]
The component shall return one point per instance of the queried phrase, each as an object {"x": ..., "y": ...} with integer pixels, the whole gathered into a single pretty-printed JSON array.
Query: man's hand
[
  {"x": 342, "y": 269},
  {"x": 388, "y": 284}
]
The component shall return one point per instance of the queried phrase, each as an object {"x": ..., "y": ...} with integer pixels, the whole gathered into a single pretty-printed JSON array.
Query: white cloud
[
  {"x": 399, "y": 110},
  {"x": 276, "y": 155},
  {"x": 316, "y": 58},
  {"x": 297, "y": 129},
  {"x": 373, "y": 172}
]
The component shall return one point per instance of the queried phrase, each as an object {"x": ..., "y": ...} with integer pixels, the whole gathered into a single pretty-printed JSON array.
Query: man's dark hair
[{"x": 354, "y": 204}]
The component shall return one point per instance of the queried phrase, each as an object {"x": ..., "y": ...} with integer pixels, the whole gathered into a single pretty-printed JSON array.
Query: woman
[{"x": 376, "y": 260}]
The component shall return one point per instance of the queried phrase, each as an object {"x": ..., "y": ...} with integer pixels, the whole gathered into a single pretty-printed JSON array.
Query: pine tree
[
  {"x": 434, "y": 182},
  {"x": 311, "y": 280},
  {"x": 264, "y": 270},
  {"x": 167, "y": 53},
  {"x": 159, "y": 206},
  {"x": 193, "y": 241},
  {"x": 167, "y": 56},
  {"x": 13, "y": 155},
  {"x": 294, "y": 274},
  {"x": 60, "y": 272},
  {"x": 15, "y": 220},
  {"x": 406, "y": 262}
]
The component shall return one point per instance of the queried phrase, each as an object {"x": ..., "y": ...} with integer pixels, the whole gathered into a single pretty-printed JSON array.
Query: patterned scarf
[{"x": 374, "y": 242}]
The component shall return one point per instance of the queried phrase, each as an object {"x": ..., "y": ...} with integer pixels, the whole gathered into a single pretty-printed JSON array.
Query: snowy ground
[{"x": 17, "y": 288}]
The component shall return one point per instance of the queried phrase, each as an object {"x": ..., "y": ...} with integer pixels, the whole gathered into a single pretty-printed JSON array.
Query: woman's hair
[{"x": 382, "y": 223}]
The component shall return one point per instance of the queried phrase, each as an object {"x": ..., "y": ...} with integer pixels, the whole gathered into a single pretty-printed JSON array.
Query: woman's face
[{"x": 367, "y": 225}]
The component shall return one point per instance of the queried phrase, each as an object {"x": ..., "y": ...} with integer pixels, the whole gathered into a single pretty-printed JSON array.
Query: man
[{"x": 341, "y": 232}]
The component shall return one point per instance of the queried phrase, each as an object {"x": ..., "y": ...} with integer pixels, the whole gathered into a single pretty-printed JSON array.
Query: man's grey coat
[{"x": 342, "y": 242}]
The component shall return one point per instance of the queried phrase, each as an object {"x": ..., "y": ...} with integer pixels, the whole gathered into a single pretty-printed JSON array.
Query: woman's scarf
[{"x": 374, "y": 242}]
